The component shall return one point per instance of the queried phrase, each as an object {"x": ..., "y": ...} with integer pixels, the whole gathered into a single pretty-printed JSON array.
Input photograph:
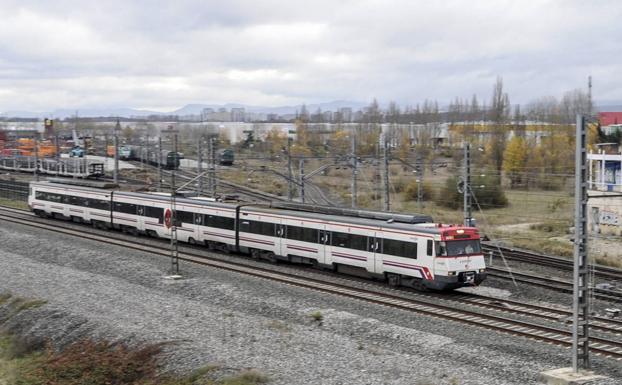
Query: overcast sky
[{"x": 164, "y": 54}]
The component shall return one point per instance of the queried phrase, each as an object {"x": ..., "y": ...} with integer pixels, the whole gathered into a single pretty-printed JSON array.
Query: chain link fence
[{"x": 13, "y": 190}]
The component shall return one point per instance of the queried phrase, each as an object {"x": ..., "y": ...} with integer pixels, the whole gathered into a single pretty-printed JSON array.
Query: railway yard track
[
  {"x": 565, "y": 264},
  {"x": 314, "y": 193},
  {"x": 612, "y": 291},
  {"x": 543, "y": 323}
]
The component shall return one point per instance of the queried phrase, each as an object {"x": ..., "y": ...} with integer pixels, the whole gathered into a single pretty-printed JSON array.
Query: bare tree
[{"x": 498, "y": 114}]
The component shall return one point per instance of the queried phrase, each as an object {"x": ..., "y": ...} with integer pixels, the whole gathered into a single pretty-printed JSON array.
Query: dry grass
[
  {"x": 102, "y": 363},
  {"x": 16, "y": 204}
]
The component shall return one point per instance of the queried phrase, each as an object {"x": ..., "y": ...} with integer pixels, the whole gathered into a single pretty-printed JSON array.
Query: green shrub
[
  {"x": 412, "y": 190},
  {"x": 487, "y": 191},
  {"x": 317, "y": 316},
  {"x": 249, "y": 377}
]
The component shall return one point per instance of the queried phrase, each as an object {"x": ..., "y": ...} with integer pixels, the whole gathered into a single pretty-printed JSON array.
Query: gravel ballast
[{"x": 235, "y": 321}]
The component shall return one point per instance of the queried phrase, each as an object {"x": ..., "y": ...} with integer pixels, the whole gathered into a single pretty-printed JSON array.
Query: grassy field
[{"x": 13, "y": 203}]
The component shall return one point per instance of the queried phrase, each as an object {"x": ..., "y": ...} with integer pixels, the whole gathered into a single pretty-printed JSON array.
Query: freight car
[
  {"x": 169, "y": 159},
  {"x": 406, "y": 250}
]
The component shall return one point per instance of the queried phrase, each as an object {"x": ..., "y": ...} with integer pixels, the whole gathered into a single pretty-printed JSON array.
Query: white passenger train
[{"x": 403, "y": 249}]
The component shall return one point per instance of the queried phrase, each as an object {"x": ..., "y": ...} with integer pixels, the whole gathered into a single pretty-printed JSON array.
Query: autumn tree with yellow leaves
[{"x": 515, "y": 160}]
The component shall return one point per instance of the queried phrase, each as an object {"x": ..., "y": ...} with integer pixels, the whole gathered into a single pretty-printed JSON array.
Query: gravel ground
[{"x": 218, "y": 317}]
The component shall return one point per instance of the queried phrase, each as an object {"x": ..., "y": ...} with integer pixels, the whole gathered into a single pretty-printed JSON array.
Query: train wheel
[
  {"x": 40, "y": 213},
  {"x": 255, "y": 254},
  {"x": 270, "y": 257},
  {"x": 418, "y": 285},
  {"x": 394, "y": 280}
]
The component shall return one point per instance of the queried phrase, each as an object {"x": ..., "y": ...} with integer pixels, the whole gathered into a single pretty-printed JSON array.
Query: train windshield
[{"x": 455, "y": 248}]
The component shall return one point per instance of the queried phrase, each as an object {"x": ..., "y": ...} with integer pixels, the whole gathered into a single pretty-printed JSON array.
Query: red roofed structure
[{"x": 609, "y": 118}]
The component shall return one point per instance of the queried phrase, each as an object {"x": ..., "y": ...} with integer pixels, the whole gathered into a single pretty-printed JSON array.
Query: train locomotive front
[{"x": 459, "y": 260}]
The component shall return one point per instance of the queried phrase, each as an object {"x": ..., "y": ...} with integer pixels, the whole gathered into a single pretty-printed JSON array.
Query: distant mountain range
[
  {"x": 195, "y": 109},
  {"x": 189, "y": 109}
]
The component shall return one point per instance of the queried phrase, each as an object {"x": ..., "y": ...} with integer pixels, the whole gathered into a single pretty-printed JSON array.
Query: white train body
[{"x": 423, "y": 255}]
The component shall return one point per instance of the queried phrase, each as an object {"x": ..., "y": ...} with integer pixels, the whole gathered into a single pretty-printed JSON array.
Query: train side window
[
  {"x": 227, "y": 223},
  {"x": 399, "y": 248},
  {"x": 358, "y": 242},
  {"x": 262, "y": 228},
  {"x": 40, "y": 195},
  {"x": 294, "y": 232},
  {"x": 309, "y": 235},
  {"x": 303, "y": 234},
  {"x": 185, "y": 216},
  {"x": 76, "y": 201},
  {"x": 219, "y": 222},
  {"x": 340, "y": 239},
  {"x": 99, "y": 204},
  {"x": 154, "y": 212},
  {"x": 430, "y": 247},
  {"x": 140, "y": 210},
  {"x": 126, "y": 208}
]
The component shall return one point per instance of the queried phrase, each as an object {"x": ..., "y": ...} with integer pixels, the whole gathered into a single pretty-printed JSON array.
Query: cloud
[{"x": 72, "y": 54}]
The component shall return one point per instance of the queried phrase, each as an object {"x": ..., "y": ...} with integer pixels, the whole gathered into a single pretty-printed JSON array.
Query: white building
[{"x": 604, "y": 189}]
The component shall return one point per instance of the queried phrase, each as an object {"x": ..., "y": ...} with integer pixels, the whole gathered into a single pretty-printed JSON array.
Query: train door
[
  {"x": 373, "y": 248},
  {"x": 140, "y": 217},
  {"x": 325, "y": 247},
  {"x": 280, "y": 240},
  {"x": 322, "y": 241}
]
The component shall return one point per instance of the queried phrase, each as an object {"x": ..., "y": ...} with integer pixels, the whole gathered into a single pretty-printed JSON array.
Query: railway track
[
  {"x": 551, "y": 283},
  {"x": 604, "y": 272},
  {"x": 423, "y": 304},
  {"x": 185, "y": 176}
]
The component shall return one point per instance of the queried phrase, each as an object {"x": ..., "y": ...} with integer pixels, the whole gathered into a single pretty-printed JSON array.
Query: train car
[
  {"x": 169, "y": 159},
  {"x": 125, "y": 152},
  {"x": 405, "y": 250},
  {"x": 226, "y": 157}
]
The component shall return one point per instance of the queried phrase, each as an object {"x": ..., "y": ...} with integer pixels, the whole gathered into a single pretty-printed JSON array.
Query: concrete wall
[{"x": 604, "y": 213}]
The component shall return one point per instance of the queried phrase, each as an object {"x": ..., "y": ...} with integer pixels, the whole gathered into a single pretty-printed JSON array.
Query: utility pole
[
  {"x": 354, "y": 171},
  {"x": 467, "y": 184},
  {"x": 174, "y": 245},
  {"x": 36, "y": 148},
  {"x": 589, "y": 95},
  {"x": 115, "y": 174},
  {"x": 200, "y": 165},
  {"x": 290, "y": 187},
  {"x": 420, "y": 169},
  {"x": 387, "y": 203},
  {"x": 579, "y": 373},
  {"x": 57, "y": 145},
  {"x": 106, "y": 149},
  {"x": 212, "y": 167},
  {"x": 580, "y": 303},
  {"x": 301, "y": 165},
  {"x": 146, "y": 156},
  {"x": 159, "y": 157}
]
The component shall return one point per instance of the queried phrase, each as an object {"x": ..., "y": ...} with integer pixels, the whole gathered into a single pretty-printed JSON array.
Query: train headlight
[
  {"x": 451, "y": 273},
  {"x": 482, "y": 270}
]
